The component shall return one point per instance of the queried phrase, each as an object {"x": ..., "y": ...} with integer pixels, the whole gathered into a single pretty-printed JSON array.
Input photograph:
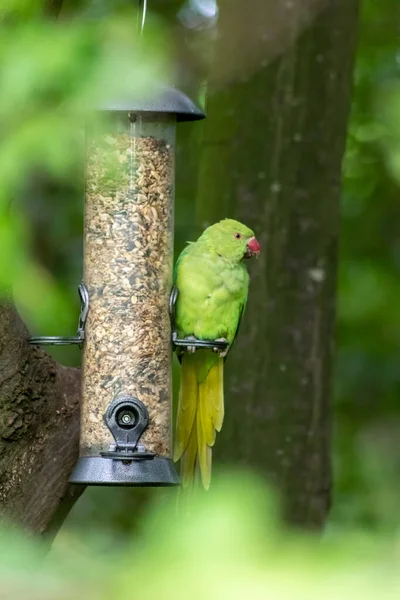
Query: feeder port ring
[{"x": 127, "y": 418}]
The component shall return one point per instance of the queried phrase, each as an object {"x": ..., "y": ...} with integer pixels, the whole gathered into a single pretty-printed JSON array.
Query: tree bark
[
  {"x": 273, "y": 146},
  {"x": 39, "y": 430}
]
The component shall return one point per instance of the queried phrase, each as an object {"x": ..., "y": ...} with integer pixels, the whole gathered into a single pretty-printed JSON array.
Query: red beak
[{"x": 253, "y": 248}]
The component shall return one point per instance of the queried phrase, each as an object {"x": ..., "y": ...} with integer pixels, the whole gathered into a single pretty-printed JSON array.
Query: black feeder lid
[{"x": 160, "y": 98}]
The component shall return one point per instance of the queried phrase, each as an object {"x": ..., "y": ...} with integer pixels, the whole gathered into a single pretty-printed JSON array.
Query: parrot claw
[
  {"x": 222, "y": 353},
  {"x": 189, "y": 348}
]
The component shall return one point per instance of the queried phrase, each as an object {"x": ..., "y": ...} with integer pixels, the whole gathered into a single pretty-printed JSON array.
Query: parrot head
[{"x": 232, "y": 240}]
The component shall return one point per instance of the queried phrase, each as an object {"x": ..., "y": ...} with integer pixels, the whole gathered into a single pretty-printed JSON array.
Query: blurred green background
[
  {"x": 367, "y": 379},
  {"x": 49, "y": 79}
]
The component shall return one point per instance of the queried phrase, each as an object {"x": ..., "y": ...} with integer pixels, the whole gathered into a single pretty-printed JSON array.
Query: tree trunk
[
  {"x": 273, "y": 146},
  {"x": 39, "y": 430}
]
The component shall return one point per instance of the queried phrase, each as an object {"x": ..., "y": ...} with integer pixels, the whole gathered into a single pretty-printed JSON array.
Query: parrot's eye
[{"x": 238, "y": 236}]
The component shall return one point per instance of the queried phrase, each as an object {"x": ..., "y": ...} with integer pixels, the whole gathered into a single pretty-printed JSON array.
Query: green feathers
[{"x": 213, "y": 282}]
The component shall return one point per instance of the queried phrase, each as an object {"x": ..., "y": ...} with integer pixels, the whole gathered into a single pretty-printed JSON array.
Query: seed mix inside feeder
[{"x": 128, "y": 259}]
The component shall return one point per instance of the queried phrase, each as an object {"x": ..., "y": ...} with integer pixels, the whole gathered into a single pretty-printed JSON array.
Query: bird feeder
[
  {"x": 128, "y": 261},
  {"x": 125, "y": 326}
]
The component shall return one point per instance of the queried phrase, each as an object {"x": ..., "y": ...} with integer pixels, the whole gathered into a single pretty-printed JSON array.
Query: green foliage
[
  {"x": 367, "y": 375},
  {"x": 51, "y": 77},
  {"x": 231, "y": 546}
]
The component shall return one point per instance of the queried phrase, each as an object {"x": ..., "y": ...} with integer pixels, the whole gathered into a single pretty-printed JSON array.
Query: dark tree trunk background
[
  {"x": 272, "y": 151},
  {"x": 273, "y": 146}
]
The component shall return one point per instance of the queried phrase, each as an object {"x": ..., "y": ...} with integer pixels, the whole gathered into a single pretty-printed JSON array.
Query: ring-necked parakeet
[{"x": 212, "y": 280}]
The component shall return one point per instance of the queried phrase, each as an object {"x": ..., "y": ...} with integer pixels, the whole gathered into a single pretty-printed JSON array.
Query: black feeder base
[{"x": 99, "y": 470}]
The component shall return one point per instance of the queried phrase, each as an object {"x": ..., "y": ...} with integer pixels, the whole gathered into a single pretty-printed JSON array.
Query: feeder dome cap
[{"x": 160, "y": 98}]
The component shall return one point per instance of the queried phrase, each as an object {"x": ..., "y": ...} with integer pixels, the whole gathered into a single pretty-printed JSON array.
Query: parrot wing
[{"x": 241, "y": 312}]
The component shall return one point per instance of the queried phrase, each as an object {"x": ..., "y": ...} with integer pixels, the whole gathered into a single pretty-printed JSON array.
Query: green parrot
[{"x": 212, "y": 282}]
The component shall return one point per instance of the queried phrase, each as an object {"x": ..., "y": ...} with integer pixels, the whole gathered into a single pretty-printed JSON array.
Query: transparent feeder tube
[{"x": 128, "y": 258}]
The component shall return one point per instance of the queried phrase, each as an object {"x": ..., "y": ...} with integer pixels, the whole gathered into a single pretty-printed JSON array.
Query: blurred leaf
[{"x": 52, "y": 76}]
